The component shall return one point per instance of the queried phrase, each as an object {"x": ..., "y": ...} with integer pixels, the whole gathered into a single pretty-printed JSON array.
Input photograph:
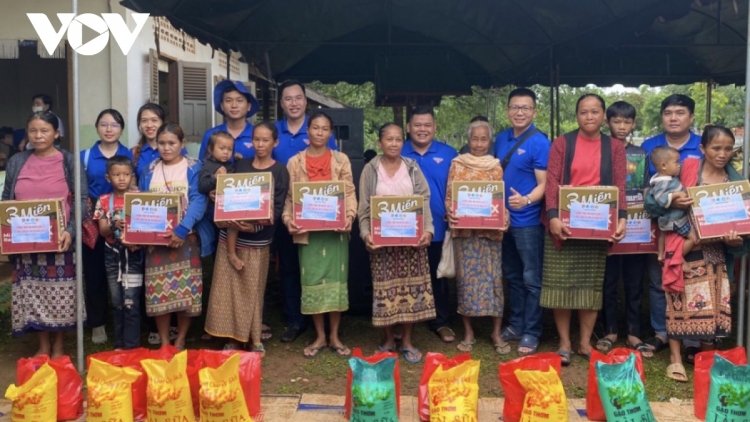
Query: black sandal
[
  {"x": 657, "y": 343},
  {"x": 690, "y": 353}
]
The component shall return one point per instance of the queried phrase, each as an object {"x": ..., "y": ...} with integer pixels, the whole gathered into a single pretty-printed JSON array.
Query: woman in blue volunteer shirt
[
  {"x": 109, "y": 126},
  {"x": 150, "y": 118}
]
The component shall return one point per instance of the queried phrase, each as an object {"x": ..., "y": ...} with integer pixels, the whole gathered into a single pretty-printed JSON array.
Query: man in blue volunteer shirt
[
  {"x": 522, "y": 151},
  {"x": 293, "y": 127},
  {"x": 434, "y": 159},
  {"x": 233, "y": 101},
  {"x": 677, "y": 118},
  {"x": 292, "y": 139}
]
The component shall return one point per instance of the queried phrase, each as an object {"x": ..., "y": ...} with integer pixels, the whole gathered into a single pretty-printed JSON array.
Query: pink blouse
[
  {"x": 398, "y": 185},
  {"x": 43, "y": 178}
]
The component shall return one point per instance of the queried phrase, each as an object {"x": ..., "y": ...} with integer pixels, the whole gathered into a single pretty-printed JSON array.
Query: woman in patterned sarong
[
  {"x": 700, "y": 310},
  {"x": 401, "y": 286},
  {"x": 43, "y": 290},
  {"x": 173, "y": 277}
]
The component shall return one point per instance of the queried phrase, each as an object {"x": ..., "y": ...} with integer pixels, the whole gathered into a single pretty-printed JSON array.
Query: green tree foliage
[{"x": 453, "y": 113}]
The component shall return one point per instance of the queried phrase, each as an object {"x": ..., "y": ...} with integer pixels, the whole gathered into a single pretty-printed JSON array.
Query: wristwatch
[{"x": 528, "y": 200}]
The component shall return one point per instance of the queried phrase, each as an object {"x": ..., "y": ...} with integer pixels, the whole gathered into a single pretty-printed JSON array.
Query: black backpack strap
[
  {"x": 570, "y": 152},
  {"x": 521, "y": 140}
]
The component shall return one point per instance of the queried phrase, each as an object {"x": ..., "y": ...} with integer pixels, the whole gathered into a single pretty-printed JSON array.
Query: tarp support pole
[
  {"x": 741, "y": 338},
  {"x": 551, "y": 92},
  {"x": 77, "y": 204},
  {"x": 709, "y": 94},
  {"x": 557, "y": 102},
  {"x": 229, "y": 63}
]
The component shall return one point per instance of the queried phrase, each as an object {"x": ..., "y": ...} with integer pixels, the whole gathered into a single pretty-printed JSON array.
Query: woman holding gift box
[
  {"x": 44, "y": 283},
  {"x": 478, "y": 277},
  {"x": 173, "y": 273},
  {"x": 235, "y": 308},
  {"x": 401, "y": 284},
  {"x": 574, "y": 268},
  {"x": 323, "y": 255},
  {"x": 700, "y": 308}
]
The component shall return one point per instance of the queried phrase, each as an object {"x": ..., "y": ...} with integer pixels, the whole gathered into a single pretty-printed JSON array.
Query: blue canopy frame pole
[{"x": 77, "y": 204}]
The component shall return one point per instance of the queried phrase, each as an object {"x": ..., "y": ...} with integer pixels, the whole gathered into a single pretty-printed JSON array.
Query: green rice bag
[
  {"x": 622, "y": 392},
  {"x": 373, "y": 391},
  {"x": 729, "y": 396}
]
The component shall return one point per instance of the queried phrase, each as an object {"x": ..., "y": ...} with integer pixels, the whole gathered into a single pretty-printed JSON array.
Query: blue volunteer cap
[{"x": 223, "y": 85}]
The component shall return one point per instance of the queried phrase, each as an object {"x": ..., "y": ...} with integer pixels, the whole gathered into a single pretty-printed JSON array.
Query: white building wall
[{"x": 108, "y": 79}]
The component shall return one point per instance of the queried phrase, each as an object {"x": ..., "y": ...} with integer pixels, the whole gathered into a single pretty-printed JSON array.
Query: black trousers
[
  {"x": 95, "y": 282},
  {"x": 440, "y": 289}
]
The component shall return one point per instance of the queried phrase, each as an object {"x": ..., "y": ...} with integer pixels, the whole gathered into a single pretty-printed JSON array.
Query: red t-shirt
[
  {"x": 102, "y": 210},
  {"x": 584, "y": 171}
]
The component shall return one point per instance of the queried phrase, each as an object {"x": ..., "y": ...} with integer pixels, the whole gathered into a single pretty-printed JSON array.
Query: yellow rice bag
[
  {"x": 36, "y": 399},
  {"x": 545, "y": 396},
  {"x": 110, "y": 397},
  {"x": 221, "y": 395},
  {"x": 168, "y": 390},
  {"x": 454, "y": 393}
]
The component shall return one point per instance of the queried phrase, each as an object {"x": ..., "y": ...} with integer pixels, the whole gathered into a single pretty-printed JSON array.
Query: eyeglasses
[
  {"x": 523, "y": 109},
  {"x": 114, "y": 126}
]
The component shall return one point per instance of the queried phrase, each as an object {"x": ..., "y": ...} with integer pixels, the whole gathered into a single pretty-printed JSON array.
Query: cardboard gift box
[
  {"x": 41, "y": 225},
  {"x": 719, "y": 208},
  {"x": 473, "y": 218},
  {"x": 406, "y": 211},
  {"x": 250, "y": 197},
  {"x": 640, "y": 225},
  {"x": 590, "y": 201},
  {"x": 165, "y": 210},
  {"x": 321, "y": 195}
]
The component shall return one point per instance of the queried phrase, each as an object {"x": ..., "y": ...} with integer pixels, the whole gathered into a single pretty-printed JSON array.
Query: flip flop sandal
[
  {"x": 502, "y": 348},
  {"x": 510, "y": 334},
  {"x": 259, "y": 349},
  {"x": 338, "y": 351},
  {"x": 529, "y": 342},
  {"x": 585, "y": 356},
  {"x": 441, "y": 333},
  {"x": 413, "y": 352},
  {"x": 266, "y": 334},
  {"x": 316, "y": 351},
  {"x": 564, "y": 357},
  {"x": 466, "y": 347},
  {"x": 385, "y": 349},
  {"x": 640, "y": 347},
  {"x": 605, "y": 345},
  {"x": 676, "y": 369}
]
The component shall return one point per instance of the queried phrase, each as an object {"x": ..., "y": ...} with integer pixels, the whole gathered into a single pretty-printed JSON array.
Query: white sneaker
[
  {"x": 98, "y": 335},
  {"x": 153, "y": 338}
]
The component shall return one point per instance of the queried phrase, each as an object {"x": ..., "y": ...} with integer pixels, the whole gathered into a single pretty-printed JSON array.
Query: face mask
[{"x": 37, "y": 109}]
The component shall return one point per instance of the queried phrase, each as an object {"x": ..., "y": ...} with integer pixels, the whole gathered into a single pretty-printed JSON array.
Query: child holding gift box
[{"x": 124, "y": 265}]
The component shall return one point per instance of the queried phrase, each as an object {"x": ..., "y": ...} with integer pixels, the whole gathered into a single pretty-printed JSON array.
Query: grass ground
[{"x": 286, "y": 371}]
